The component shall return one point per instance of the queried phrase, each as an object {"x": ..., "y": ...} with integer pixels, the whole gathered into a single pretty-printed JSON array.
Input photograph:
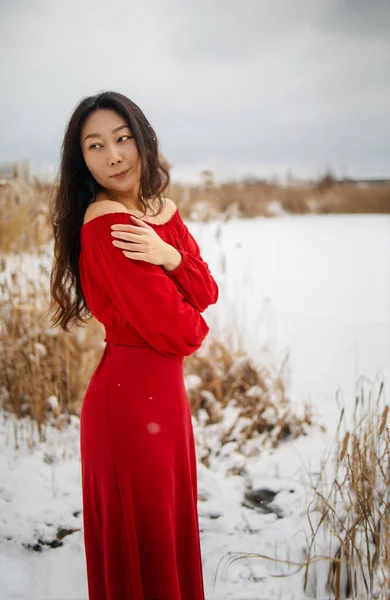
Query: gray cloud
[
  {"x": 240, "y": 87},
  {"x": 365, "y": 20}
]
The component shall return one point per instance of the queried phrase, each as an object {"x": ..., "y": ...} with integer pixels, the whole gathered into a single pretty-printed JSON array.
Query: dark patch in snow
[
  {"x": 52, "y": 544},
  {"x": 261, "y": 500},
  {"x": 63, "y": 531},
  {"x": 55, "y": 543},
  {"x": 33, "y": 547}
]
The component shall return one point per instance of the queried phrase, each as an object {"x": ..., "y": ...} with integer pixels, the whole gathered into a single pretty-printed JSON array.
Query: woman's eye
[{"x": 92, "y": 146}]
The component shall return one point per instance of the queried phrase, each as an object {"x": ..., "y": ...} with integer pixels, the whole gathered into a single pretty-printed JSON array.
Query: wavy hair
[{"x": 76, "y": 188}]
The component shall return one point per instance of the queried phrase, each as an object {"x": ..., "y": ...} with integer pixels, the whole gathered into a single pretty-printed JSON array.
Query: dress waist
[{"x": 124, "y": 336}]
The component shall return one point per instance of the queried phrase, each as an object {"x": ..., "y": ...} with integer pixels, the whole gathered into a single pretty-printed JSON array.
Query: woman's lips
[{"x": 121, "y": 174}]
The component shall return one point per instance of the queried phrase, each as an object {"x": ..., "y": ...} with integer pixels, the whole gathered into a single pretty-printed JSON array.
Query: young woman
[{"x": 124, "y": 255}]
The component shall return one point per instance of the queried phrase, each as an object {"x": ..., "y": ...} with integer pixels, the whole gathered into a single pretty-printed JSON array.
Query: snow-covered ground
[{"x": 316, "y": 285}]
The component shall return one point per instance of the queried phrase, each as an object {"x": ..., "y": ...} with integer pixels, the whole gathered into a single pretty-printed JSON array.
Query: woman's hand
[{"x": 141, "y": 242}]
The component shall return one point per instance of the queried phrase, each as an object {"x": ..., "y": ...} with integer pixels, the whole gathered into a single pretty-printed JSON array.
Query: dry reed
[
  {"x": 259, "y": 408},
  {"x": 43, "y": 371},
  {"x": 23, "y": 206},
  {"x": 352, "y": 513},
  {"x": 348, "y": 546}
]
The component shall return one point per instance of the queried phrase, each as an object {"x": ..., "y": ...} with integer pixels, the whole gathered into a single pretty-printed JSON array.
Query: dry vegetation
[
  {"x": 23, "y": 206},
  {"x": 43, "y": 371},
  {"x": 254, "y": 198},
  {"x": 351, "y": 521},
  {"x": 23, "y": 216},
  {"x": 259, "y": 408},
  {"x": 348, "y": 543}
]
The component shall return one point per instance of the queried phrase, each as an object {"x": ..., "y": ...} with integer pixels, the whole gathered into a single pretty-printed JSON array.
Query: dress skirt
[{"x": 139, "y": 479}]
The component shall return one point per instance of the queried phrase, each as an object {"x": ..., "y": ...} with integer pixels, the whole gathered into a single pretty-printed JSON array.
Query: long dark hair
[{"x": 77, "y": 188}]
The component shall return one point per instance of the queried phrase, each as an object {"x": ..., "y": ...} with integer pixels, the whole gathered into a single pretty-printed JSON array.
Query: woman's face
[{"x": 109, "y": 147}]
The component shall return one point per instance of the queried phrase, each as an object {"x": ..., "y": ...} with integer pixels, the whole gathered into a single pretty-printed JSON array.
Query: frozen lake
[{"x": 318, "y": 286}]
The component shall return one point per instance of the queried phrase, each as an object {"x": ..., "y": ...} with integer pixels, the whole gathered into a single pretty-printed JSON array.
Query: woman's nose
[{"x": 115, "y": 159}]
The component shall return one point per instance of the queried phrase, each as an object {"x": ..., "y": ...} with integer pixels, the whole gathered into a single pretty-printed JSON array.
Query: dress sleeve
[
  {"x": 147, "y": 299},
  {"x": 193, "y": 277}
]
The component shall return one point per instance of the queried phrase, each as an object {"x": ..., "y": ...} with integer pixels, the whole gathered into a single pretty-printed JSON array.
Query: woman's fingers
[
  {"x": 125, "y": 235},
  {"x": 139, "y": 243},
  {"x": 124, "y": 245},
  {"x": 125, "y": 227},
  {"x": 135, "y": 255}
]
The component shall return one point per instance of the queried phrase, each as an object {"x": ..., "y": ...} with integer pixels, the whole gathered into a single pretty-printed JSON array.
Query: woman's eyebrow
[{"x": 91, "y": 135}]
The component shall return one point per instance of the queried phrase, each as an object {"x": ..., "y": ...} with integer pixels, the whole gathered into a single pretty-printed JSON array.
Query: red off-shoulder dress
[{"x": 139, "y": 476}]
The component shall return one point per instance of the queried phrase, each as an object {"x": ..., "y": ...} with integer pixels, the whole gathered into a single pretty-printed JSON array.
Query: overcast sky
[{"x": 238, "y": 86}]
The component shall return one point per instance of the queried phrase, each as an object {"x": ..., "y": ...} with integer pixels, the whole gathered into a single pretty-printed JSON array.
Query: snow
[{"x": 317, "y": 286}]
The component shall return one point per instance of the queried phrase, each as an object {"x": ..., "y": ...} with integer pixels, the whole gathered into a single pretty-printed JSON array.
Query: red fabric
[
  {"x": 192, "y": 276},
  {"x": 139, "y": 478}
]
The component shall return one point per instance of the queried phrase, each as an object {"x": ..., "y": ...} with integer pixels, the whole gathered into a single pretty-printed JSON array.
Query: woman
[{"x": 145, "y": 280}]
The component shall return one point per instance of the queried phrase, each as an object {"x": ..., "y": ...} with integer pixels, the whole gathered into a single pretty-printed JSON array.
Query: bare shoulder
[
  {"x": 102, "y": 207},
  {"x": 170, "y": 206}
]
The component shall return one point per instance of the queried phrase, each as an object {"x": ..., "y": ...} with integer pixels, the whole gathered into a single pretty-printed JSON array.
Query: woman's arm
[
  {"x": 183, "y": 264},
  {"x": 145, "y": 296},
  {"x": 193, "y": 277}
]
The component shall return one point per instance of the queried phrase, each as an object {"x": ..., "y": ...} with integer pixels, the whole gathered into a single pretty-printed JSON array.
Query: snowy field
[{"x": 317, "y": 286}]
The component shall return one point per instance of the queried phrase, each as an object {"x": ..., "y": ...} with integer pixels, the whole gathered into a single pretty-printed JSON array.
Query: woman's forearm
[{"x": 174, "y": 259}]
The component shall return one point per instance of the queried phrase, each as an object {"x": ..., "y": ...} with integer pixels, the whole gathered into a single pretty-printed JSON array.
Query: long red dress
[{"x": 139, "y": 477}]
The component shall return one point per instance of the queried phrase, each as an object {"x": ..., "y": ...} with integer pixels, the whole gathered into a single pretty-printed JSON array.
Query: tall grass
[
  {"x": 351, "y": 524},
  {"x": 43, "y": 371},
  {"x": 348, "y": 542},
  {"x": 23, "y": 216},
  {"x": 23, "y": 207},
  {"x": 262, "y": 198},
  {"x": 259, "y": 407}
]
